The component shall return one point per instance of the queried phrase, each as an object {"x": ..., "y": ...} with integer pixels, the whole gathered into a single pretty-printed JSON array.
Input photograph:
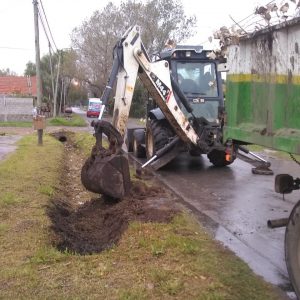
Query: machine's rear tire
[
  {"x": 138, "y": 141},
  {"x": 195, "y": 152},
  {"x": 292, "y": 247},
  {"x": 129, "y": 139},
  {"x": 158, "y": 133},
  {"x": 218, "y": 158},
  {"x": 138, "y": 150}
]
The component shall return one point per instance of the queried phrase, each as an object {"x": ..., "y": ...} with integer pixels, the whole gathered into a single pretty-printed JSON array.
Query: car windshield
[
  {"x": 94, "y": 106},
  {"x": 197, "y": 79}
]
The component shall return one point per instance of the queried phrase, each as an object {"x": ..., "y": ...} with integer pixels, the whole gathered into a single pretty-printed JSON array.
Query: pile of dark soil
[{"x": 98, "y": 223}]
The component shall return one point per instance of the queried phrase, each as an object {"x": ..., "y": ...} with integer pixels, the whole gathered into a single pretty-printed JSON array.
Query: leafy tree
[
  {"x": 77, "y": 93},
  {"x": 30, "y": 69},
  {"x": 46, "y": 75},
  {"x": 68, "y": 72},
  {"x": 7, "y": 72},
  {"x": 139, "y": 100}
]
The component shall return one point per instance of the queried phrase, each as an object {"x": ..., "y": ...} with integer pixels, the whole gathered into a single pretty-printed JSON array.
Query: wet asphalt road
[{"x": 236, "y": 205}]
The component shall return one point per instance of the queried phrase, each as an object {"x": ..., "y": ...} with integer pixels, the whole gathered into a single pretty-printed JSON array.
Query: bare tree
[
  {"x": 160, "y": 20},
  {"x": 94, "y": 42}
]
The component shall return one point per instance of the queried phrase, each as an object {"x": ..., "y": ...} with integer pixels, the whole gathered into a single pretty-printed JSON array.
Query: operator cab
[{"x": 198, "y": 78}]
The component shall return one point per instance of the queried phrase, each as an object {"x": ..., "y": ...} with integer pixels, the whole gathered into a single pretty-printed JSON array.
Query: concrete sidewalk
[{"x": 8, "y": 144}]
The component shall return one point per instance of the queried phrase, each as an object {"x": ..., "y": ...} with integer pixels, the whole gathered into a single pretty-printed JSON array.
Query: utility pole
[
  {"x": 38, "y": 67},
  {"x": 52, "y": 76},
  {"x": 61, "y": 94},
  {"x": 56, "y": 86}
]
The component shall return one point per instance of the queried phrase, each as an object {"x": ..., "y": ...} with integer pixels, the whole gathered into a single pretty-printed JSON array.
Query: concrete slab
[{"x": 8, "y": 144}]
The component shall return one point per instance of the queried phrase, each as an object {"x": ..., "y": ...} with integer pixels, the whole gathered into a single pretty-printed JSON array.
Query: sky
[{"x": 17, "y": 45}]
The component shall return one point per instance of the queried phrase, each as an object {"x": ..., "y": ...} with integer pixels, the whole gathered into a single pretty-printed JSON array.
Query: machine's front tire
[
  {"x": 218, "y": 158},
  {"x": 158, "y": 133},
  {"x": 292, "y": 247}
]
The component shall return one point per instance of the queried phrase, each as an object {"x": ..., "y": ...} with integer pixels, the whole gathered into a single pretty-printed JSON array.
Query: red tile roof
[{"x": 18, "y": 85}]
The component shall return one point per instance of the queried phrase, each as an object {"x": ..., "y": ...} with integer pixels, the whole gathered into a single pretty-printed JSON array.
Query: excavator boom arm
[{"x": 130, "y": 61}]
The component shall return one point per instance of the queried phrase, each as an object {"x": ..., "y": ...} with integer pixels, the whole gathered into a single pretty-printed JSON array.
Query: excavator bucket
[{"x": 106, "y": 171}]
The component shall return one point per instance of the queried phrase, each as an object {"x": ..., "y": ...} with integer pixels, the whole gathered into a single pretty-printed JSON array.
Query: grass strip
[
  {"x": 272, "y": 152},
  {"x": 152, "y": 261},
  {"x": 16, "y": 124},
  {"x": 73, "y": 120}
]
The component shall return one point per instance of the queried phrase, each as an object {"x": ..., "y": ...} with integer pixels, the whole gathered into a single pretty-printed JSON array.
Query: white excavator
[{"x": 185, "y": 112}]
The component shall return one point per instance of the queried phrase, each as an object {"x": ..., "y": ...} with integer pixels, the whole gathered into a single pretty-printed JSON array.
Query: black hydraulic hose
[
  {"x": 181, "y": 95},
  {"x": 162, "y": 151},
  {"x": 145, "y": 51},
  {"x": 167, "y": 147},
  {"x": 111, "y": 82},
  {"x": 117, "y": 62}
]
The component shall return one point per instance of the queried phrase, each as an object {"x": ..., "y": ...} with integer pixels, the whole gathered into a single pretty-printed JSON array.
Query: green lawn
[
  {"x": 73, "y": 120},
  {"x": 16, "y": 124},
  {"x": 278, "y": 154}
]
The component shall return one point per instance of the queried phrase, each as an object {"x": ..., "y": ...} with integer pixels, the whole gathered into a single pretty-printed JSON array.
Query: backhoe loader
[{"x": 186, "y": 112}]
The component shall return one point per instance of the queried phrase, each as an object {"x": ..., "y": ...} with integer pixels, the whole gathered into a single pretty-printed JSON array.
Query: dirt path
[{"x": 85, "y": 223}]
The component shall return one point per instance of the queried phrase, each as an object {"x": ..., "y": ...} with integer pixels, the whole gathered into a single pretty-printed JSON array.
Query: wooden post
[{"x": 38, "y": 67}]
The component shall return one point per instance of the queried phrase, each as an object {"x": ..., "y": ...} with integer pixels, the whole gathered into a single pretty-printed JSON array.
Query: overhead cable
[
  {"x": 48, "y": 25},
  {"x": 15, "y": 48},
  {"x": 45, "y": 31}
]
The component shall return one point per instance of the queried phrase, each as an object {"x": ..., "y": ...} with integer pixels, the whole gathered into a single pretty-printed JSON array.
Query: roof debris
[{"x": 275, "y": 12}]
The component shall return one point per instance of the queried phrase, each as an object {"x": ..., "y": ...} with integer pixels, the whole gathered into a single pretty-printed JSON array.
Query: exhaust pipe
[{"x": 276, "y": 223}]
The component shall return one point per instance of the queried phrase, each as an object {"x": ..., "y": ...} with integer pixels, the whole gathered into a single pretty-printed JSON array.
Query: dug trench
[{"x": 86, "y": 223}]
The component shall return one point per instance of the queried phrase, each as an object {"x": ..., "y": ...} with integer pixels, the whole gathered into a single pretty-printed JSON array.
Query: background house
[{"x": 17, "y": 97}]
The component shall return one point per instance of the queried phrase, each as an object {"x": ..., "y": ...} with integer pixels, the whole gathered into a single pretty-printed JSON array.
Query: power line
[
  {"x": 253, "y": 15},
  {"x": 250, "y": 19},
  {"x": 45, "y": 31},
  {"x": 48, "y": 25},
  {"x": 15, "y": 48}
]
